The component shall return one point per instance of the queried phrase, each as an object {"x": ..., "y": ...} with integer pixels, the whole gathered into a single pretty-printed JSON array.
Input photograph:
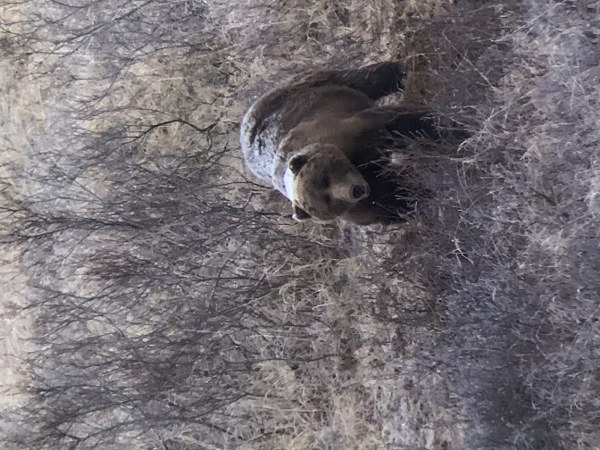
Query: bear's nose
[{"x": 359, "y": 191}]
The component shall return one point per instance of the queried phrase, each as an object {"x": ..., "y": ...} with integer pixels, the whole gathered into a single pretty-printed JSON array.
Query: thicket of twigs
[{"x": 157, "y": 297}]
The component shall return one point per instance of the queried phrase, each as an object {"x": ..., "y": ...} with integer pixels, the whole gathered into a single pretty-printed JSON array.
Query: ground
[{"x": 156, "y": 297}]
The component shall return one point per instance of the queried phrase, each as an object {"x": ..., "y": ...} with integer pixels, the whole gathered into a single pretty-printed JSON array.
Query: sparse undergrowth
[{"x": 170, "y": 303}]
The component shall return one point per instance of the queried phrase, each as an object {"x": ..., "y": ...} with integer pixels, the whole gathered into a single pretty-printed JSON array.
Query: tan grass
[{"x": 473, "y": 326}]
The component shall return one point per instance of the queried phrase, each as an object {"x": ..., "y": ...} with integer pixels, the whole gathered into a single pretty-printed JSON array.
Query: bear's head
[{"x": 325, "y": 183}]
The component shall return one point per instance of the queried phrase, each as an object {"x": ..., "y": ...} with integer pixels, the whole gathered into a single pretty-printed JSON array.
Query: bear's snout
[{"x": 359, "y": 191}]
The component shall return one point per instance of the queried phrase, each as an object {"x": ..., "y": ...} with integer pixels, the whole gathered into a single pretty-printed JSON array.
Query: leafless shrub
[{"x": 174, "y": 305}]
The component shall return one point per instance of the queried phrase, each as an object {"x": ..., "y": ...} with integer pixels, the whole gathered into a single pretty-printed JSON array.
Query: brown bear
[{"x": 313, "y": 140}]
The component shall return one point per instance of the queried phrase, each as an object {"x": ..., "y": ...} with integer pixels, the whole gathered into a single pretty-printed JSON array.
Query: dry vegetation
[{"x": 155, "y": 297}]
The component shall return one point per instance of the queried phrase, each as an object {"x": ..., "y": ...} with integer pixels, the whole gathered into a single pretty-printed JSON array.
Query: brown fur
[{"x": 317, "y": 133}]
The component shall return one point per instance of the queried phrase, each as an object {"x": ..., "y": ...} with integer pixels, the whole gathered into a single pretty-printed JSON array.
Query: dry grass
[{"x": 156, "y": 297}]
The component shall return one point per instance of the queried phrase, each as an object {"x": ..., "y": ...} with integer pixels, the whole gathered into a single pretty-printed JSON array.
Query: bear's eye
[
  {"x": 325, "y": 182},
  {"x": 327, "y": 198}
]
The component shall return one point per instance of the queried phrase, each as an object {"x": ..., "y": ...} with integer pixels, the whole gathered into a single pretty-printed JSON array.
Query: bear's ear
[
  {"x": 297, "y": 163},
  {"x": 299, "y": 214}
]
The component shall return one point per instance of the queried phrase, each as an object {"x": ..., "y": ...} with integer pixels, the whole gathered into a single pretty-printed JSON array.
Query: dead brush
[{"x": 154, "y": 297}]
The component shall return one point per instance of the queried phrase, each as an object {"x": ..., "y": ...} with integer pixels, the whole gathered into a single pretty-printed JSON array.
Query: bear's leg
[
  {"x": 388, "y": 201},
  {"x": 375, "y": 80},
  {"x": 413, "y": 125},
  {"x": 402, "y": 121},
  {"x": 363, "y": 216},
  {"x": 367, "y": 214},
  {"x": 416, "y": 123}
]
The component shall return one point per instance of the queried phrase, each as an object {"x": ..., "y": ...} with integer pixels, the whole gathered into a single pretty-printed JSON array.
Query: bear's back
[{"x": 274, "y": 115}]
